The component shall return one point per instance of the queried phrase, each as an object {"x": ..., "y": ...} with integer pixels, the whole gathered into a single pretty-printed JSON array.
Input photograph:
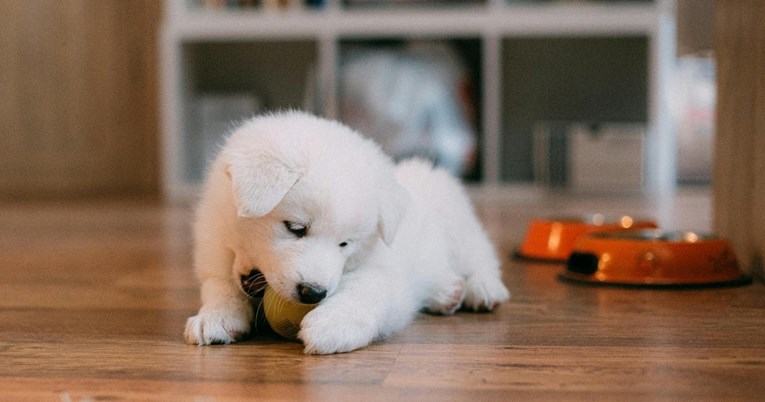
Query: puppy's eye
[
  {"x": 343, "y": 244},
  {"x": 296, "y": 229}
]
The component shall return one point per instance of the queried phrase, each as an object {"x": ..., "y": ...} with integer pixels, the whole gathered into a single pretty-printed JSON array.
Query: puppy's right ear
[
  {"x": 393, "y": 207},
  {"x": 260, "y": 182}
]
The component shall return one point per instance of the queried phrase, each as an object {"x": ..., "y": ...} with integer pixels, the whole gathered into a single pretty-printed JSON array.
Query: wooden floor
[{"x": 94, "y": 296}]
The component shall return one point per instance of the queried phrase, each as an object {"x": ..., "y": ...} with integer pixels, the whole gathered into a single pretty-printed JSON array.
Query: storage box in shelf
[
  {"x": 215, "y": 116},
  {"x": 605, "y": 157}
]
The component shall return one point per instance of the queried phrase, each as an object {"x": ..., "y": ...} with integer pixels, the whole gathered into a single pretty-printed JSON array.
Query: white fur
[{"x": 413, "y": 240}]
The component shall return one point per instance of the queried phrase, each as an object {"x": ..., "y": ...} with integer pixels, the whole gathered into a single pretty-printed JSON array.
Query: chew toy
[{"x": 283, "y": 315}]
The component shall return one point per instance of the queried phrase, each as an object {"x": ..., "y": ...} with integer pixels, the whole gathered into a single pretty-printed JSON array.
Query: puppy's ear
[
  {"x": 260, "y": 182},
  {"x": 393, "y": 207}
]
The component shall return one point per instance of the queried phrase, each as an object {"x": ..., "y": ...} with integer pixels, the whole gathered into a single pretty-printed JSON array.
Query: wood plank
[
  {"x": 739, "y": 189},
  {"x": 644, "y": 371}
]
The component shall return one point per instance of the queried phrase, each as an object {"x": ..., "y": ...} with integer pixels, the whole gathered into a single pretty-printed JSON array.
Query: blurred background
[{"x": 130, "y": 98}]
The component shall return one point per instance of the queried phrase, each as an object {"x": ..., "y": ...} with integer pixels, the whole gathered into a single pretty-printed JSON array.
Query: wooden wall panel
[
  {"x": 78, "y": 98},
  {"x": 739, "y": 172}
]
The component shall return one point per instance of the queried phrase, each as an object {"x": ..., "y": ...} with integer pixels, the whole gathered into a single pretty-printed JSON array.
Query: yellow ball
[{"x": 284, "y": 315}]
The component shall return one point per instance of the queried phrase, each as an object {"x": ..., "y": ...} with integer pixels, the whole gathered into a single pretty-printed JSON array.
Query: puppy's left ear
[
  {"x": 393, "y": 207},
  {"x": 260, "y": 182}
]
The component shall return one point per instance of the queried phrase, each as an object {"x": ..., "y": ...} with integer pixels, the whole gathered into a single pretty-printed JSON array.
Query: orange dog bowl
[
  {"x": 655, "y": 259},
  {"x": 554, "y": 239}
]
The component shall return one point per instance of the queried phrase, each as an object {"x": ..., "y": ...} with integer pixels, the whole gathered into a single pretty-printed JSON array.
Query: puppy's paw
[
  {"x": 484, "y": 293},
  {"x": 325, "y": 331},
  {"x": 448, "y": 298},
  {"x": 219, "y": 324}
]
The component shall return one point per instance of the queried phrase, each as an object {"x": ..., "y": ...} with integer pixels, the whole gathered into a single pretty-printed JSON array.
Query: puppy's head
[{"x": 311, "y": 195}]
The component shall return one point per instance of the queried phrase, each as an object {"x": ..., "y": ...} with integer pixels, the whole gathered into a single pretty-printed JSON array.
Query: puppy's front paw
[
  {"x": 484, "y": 293},
  {"x": 324, "y": 331},
  {"x": 219, "y": 324}
]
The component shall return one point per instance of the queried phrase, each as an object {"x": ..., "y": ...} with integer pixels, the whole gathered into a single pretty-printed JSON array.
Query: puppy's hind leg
[
  {"x": 447, "y": 296},
  {"x": 484, "y": 293},
  {"x": 484, "y": 290}
]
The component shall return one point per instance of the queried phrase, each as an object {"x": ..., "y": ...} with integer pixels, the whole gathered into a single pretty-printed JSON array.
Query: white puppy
[{"x": 328, "y": 218}]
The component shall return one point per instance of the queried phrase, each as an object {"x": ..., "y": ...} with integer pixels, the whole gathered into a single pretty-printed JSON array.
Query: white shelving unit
[{"x": 188, "y": 30}]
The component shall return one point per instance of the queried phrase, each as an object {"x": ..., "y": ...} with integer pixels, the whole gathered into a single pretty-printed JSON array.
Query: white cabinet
[{"x": 512, "y": 49}]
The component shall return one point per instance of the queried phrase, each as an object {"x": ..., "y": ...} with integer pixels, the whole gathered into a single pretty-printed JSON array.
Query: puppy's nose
[{"x": 310, "y": 294}]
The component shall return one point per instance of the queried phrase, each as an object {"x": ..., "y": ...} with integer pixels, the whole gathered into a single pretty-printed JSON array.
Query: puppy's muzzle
[{"x": 310, "y": 294}]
